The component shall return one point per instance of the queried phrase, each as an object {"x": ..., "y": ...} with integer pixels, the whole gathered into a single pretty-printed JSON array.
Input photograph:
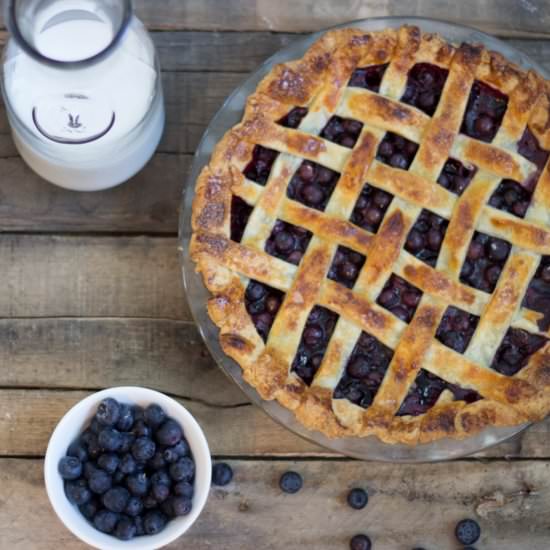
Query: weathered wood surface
[
  {"x": 408, "y": 506},
  {"x": 503, "y": 17}
]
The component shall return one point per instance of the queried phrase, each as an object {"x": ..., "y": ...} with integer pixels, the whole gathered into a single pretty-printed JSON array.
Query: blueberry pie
[{"x": 375, "y": 234}]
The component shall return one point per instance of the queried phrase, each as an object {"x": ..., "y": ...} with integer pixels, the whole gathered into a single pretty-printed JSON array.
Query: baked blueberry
[
  {"x": 360, "y": 542},
  {"x": 125, "y": 529},
  {"x": 397, "y": 151},
  {"x": 143, "y": 449},
  {"x": 370, "y": 208},
  {"x": 222, "y": 474},
  {"x": 109, "y": 439},
  {"x": 290, "y": 482},
  {"x": 183, "y": 469},
  {"x": 368, "y": 77},
  {"x": 108, "y": 412},
  {"x": 514, "y": 350},
  {"x": 358, "y": 498},
  {"x": 115, "y": 499},
  {"x": 154, "y": 522},
  {"x": 312, "y": 185},
  {"x": 400, "y": 298},
  {"x": 70, "y": 467},
  {"x": 108, "y": 462},
  {"x": 259, "y": 167},
  {"x": 169, "y": 433},
  {"x": 287, "y": 242},
  {"x": 346, "y": 266},
  {"x": 455, "y": 177},
  {"x": 154, "y": 415},
  {"x": 467, "y": 531},
  {"x": 293, "y": 118},
  {"x": 100, "y": 481},
  {"x": 343, "y": 131},
  {"x": 105, "y": 521},
  {"x": 240, "y": 213},
  {"x": 262, "y": 304},
  {"x": 424, "y": 86}
]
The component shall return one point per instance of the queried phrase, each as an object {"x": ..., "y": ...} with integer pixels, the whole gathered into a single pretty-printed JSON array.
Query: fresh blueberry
[
  {"x": 161, "y": 478},
  {"x": 125, "y": 418},
  {"x": 108, "y": 412},
  {"x": 154, "y": 522},
  {"x": 70, "y": 467},
  {"x": 138, "y": 412},
  {"x": 127, "y": 464},
  {"x": 184, "y": 468},
  {"x": 158, "y": 461},
  {"x": 222, "y": 474},
  {"x": 88, "y": 469},
  {"x": 115, "y": 499},
  {"x": 154, "y": 415},
  {"x": 181, "y": 506},
  {"x": 149, "y": 502},
  {"x": 138, "y": 484},
  {"x": 109, "y": 439},
  {"x": 94, "y": 448},
  {"x": 95, "y": 426},
  {"x": 85, "y": 437},
  {"x": 143, "y": 449},
  {"x": 89, "y": 509},
  {"x": 105, "y": 521},
  {"x": 134, "y": 506},
  {"x": 360, "y": 542},
  {"x": 128, "y": 439},
  {"x": 138, "y": 522},
  {"x": 169, "y": 433},
  {"x": 467, "y": 531},
  {"x": 291, "y": 482},
  {"x": 170, "y": 455},
  {"x": 108, "y": 462},
  {"x": 141, "y": 429},
  {"x": 125, "y": 529},
  {"x": 100, "y": 482},
  {"x": 160, "y": 492},
  {"x": 78, "y": 450},
  {"x": 182, "y": 447},
  {"x": 167, "y": 508},
  {"x": 77, "y": 492},
  {"x": 184, "y": 489},
  {"x": 118, "y": 477},
  {"x": 358, "y": 498}
]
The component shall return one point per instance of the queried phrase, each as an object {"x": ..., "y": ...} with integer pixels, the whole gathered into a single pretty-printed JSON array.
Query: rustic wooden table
[{"x": 92, "y": 297}]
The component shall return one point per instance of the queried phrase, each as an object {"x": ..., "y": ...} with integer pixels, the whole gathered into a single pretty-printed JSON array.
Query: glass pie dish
[{"x": 230, "y": 114}]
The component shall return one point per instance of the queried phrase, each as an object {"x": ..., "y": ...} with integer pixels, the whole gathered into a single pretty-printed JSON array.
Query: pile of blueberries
[
  {"x": 130, "y": 471},
  {"x": 467, "y": 531}
]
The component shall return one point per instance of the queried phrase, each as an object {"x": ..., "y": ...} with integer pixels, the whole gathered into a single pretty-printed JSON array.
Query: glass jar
[{"x": 82, "y": 89}]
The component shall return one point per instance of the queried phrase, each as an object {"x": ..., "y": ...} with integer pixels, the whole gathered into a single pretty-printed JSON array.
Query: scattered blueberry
[
  {"x": 360, "y": 542},
  {"x": 70, "y": 467},
  {"x": 143, "y": 448},
  {"x": 222, "y": 474},
  {"x": 125, "y": 529},
  {"x": 467, "y": 531},
  {"x": 108, "y": 412},
  {"x": 291, "y": 482},
  {"x": 169, "y": 433},
  {"x": 105, "y": 521},
  {"x": 154, "y": 416},
  {"x": 358, "y": 498},
  {"x": 154, "y": 522},
  {"x": 115, "y": 499}
]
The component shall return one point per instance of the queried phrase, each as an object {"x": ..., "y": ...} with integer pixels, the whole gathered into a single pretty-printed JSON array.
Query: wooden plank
[
  {"x": 93, "y": 353},
  {"x": 408, "y": 506},
  {"x": 27, "y": 418},
  {"x": 72, "y": 276}
]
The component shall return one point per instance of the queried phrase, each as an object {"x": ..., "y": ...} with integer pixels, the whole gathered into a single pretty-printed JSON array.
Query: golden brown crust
[{"x": 318, "y": 81}]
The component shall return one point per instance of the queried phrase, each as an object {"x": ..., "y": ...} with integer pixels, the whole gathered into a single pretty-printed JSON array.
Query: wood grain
[
  {"x": 408, "y": 506},
  {"x": 86, "y": 276}
]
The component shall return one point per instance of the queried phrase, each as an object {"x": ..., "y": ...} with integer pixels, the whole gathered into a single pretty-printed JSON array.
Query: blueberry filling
[
  {"x": 457, "y": 328},
  {"x": 364, "y": 372},
  {"x": 343, "y": 131},
  {"x": 368, "y": 77},
  {"x": 425, "y": 238},
  {"x": 240, "y": 212},
  {"x": 455, "y": 177},
  {"x": 426, "y": 390},
  {"x": 346, "y": 266},
  {"x": 288, "y": 242},
  {"x": 262, "y": 304},
  {"x": 484, "y": 262},
  {"x": 528, "y": 146},
  {"x": 370, "y": 208},
  {"x": 515, "y": 349},
  {"x": 396, "y": 151},
  {"x": 424, "y": 86},
  {"x": 293, "y": 118},
  {"x": 259, "y": 168},
  {"x": 400, "y": 298},
  {"x": 484, "y": 112},
  {"x": 313, "y": 344},
  {"x": 312, "y": 185},
  {"x": 537, "y": 296},
  {"x": 511, "y": 197}
]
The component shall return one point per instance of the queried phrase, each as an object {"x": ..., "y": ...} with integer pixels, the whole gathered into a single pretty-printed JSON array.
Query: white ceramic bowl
[{"x": 76, "y": 420}]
